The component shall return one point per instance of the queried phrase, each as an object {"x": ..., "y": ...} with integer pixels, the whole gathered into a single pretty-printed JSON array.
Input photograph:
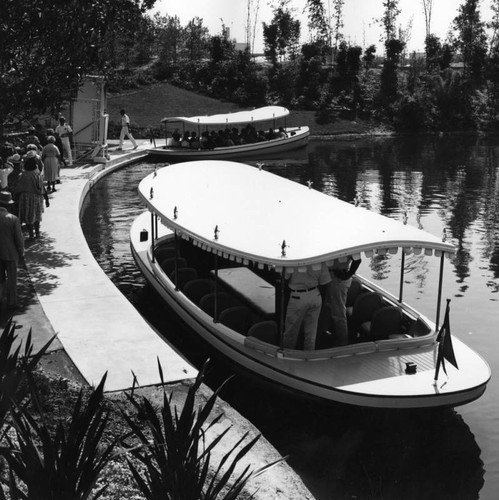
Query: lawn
[{"x": 148, "y": 105}]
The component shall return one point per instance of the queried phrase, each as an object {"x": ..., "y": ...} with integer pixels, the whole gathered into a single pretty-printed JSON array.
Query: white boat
[
  {"x": 270, "y": 142},
  {"x": 218, "y": 239}
]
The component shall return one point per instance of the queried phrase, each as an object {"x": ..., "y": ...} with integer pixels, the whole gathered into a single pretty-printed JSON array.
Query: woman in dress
[
  {"x": 31, "y": 193},
  {"x": 51, "y": 158}
]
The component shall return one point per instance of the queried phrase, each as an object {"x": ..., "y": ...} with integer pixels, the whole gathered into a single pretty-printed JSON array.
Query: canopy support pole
[
  {"x": 215, "y": 304},
  {"x": 440, "y": 283},
  {"x": 153, "y": 236},
  {"x": 402, "y": 269},
  {"x": 282, "y": 319},
  {"x": 175, "y": 272},
  {"x": 199, "y": 136}
]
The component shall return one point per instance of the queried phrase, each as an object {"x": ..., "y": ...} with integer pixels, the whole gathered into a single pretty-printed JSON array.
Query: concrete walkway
[{"x": 95, "y": 324}]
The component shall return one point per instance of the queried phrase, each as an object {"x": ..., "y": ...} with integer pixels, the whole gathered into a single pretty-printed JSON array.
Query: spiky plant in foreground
[
  {"x": 176, "y": 456},
  {"x": 64, "y": 465},
  {"x": 14, "y": 365}
]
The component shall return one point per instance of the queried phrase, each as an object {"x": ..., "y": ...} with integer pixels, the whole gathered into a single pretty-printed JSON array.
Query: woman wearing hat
[
  {"x": 31, "y": 193},
  {"x": 11, "y": 250},
  {"x": 13, "y": 178},
  {"x": 50, "y": 157}
]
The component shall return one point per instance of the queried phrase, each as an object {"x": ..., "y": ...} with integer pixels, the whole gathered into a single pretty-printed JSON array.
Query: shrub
[
  {"x": 14, "y": 367},
  {"x": 64, "y": 464},
  {"x": 177, "y": 459}
]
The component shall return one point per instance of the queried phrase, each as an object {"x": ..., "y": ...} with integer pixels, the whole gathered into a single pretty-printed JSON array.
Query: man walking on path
[
  {"x": 11, "y": 250},
  {"x": 125, "y": 130},
  {"x": 64, "y": 131}
]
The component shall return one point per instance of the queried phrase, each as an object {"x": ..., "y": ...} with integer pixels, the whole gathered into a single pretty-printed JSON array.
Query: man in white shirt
[
  {"x": 125, "y": 130},
  {"x": 64, "y": 131},
  {"x": 304, "y": 306}
]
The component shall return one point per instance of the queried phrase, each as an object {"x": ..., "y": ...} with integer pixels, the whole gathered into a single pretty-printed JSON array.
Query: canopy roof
[
  {"x": 229, "y": 119},
  {"x": 254, "y": 212}
]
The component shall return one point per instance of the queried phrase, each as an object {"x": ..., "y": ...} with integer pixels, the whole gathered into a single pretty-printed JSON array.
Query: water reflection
[{"x": 440, "y": 184}]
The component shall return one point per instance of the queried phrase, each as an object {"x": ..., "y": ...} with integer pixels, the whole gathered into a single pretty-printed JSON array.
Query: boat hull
[
  {"x": 374, "y": 376},
  {"x": 258, "y": 150}
]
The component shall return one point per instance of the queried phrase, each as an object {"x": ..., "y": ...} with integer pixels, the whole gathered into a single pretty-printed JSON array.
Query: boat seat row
[
  {"x": 168, "y": 264},
  {"x": 238, "y": 317},
  {"x": 182, "y": 276},
  {"x": 164, "y": 252},
  {"x": 371, "y": 318},
  {"x": 242, "y": 320}
]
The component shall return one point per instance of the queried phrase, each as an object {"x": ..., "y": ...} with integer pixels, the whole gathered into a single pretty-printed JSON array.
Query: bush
[
  {"x": 412, "y": 114},
  {"x": 175, "y": 455},
  {"x": 61, "y": 465}
]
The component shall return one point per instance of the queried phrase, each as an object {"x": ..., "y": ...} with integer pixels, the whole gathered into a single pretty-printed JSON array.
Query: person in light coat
[{"x": 64, "y": 131}]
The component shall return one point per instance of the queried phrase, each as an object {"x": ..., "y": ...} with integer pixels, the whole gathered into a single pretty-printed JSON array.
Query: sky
[{"x": 358, "y": 18}]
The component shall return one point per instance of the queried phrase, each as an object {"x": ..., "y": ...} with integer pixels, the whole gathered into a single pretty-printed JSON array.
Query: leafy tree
[
  {"x": 369, "y": 56},
  {"x": 146, "y": 38},
  {"x": 281, "y": 35},
  {"x": 453, "y": 101},
  {"x": 270, "y": 37},
  {"x": 494, "y": 24},
  {"x": 220, "y": 48},
  {"x": 337, "y": 22},
  {"x": 433, "y": 50},
  {"x": 311, "y": 76},
  {"x": 348, "y": 65},
  {"x": 169, "y": 38},
  {"x": 389, "y": 19},
  {"x": 427, "y": 8},
  {"x": 472, "y": 40},
  {"x": 196, "y": 39},
  {"x": 318, "y": 23},
  {"x": 389, "y": 82},
  {"x": 47, "y": 46}
]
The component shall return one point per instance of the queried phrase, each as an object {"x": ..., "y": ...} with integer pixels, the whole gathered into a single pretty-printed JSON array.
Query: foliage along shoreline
[{"x": 453, "y": 86}]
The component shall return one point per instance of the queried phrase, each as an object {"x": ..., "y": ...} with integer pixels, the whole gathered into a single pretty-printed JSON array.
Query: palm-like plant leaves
[
  {"x": 14, "y": 365},
  {"x": 176, "y": 456},
  {"x": 67, "y": 464}
]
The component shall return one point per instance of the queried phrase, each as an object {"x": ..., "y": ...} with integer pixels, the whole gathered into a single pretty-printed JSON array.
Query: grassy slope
[{"x": 148, "y": 105}]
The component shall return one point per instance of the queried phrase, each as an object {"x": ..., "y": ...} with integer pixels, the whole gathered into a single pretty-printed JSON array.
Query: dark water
[{"x": 342, "y": 452}]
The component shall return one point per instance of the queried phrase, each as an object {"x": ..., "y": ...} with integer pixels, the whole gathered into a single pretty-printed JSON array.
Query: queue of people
[
  {"x": 309, "y": 291},
  {"x": 28, "y": 172}
]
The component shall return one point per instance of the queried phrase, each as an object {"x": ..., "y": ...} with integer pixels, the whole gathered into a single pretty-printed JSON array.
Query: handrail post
[
  {"x": 152, "y": 236},
  {"x": 402, "y": 269},
  {"x": 440, "y": 283},
  {"x": 215, "y": 304},
  {"x": 175, "y": 275},
  {"x": 282, "y": 297}
]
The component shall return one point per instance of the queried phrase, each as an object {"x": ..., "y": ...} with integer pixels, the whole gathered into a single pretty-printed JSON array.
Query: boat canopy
[
  {"x": 250, "y": 215},
  {"x": 228, "y": 119}
]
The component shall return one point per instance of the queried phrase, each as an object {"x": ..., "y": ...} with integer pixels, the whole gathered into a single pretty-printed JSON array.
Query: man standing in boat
[
  {"x": 337, "y": 291},
  {"x": 304, "y": 306}
]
